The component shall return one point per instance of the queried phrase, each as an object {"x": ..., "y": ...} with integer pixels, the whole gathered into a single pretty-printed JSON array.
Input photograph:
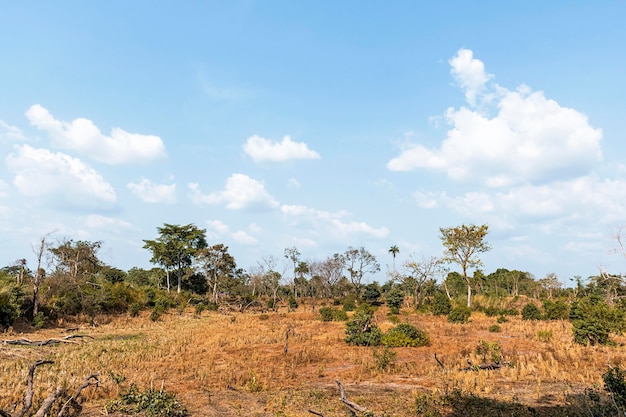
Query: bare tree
[
  {"x": 40, "y": 273},
  {"x": 359, "y": 262},
  {"x": 419, "y": 272},
  {"x": 330, "y": 271}
]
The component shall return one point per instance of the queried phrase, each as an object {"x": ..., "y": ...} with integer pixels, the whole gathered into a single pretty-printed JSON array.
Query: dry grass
[{"x": 230, "y": 365}]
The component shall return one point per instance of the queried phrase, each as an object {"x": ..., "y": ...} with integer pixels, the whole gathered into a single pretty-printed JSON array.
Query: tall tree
[
  {"x": 462, "y": 246},
  {"x": 394, "y": 250},
  {"x": 359, "y": 262},
  {"x": 330, "y": 272},
  {"x": 175, "y": 248},
  {"x": 77, "y": 259},
  {"x": 293, "y": 254},
  {"x": 217, "y": 265}
]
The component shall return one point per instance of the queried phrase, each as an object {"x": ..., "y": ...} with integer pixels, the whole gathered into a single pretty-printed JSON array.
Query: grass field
[{"x": 236, "y": 365}]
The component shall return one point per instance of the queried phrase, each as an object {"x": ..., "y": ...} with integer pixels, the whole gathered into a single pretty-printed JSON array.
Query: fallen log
[
  {"x": 354, "y": 407},
  {"x": 486, "y": 366},
  {"x": 43, "y": 410},
  {"x": 51, "y": 341}
]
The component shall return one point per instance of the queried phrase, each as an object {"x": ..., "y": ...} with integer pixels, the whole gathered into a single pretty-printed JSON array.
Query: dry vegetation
[{"x": 236, "y": 365}]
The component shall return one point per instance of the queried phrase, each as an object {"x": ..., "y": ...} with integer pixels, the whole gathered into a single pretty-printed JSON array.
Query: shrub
[
  {"x": 152, "y": 402},
  {"x": 494, "y": 328},
  {"x": 531, "y": 312},
  {"x": 360, "y": 331},
  {"x": 385, "y": 359},
  {"x": 135, "y": 308},
  {"x": 491, "y": 351},
  {"x": 405, "y": 335},
  {"x": 558, "y": 310},
  {"x": 395, "y": 298},
  {"x": 332, "y": 314},
  {"x": 614, "y": 384},
  {"x": 544, "y": 335},
  {"x": 510, "y": 312},
  {"x": 441, "y": 304},
  {"x": 459, "y": 314},
  {"x": 502, "y": 319},
  {"x": 349, "y": 303},
  {"x": 492, "y": 311},
  {"x": 593, "y": 320},
  {"x": 293, "y": 303},
  {"x": 39, "y": 320}
]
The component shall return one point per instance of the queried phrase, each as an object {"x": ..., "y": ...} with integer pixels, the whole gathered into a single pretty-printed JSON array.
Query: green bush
[
  {"x": 293, "y": 303},
  {"x": 460, "y": 314},
  {"x": 556, "y": 310},
  {"x": 492, "y": 311},
  {"x": 531, "y": 312},
  {"x": 495, "y": 328},
  {"x": 134, "y": 309},
  {"x": 151, "y": 402},
  {"x": 544, "y": 335},
  {"x": 405, "y": 335},
  {"x": 502, "y": 319},
  {"x": 333, "y": 314},
  {"x": 614, "y": 384},
  {"x": 441, "y": 304},
  {"x": 395, "y": 298},
  {"x": 349, "y": 303},
  {"x": 593, "y": 320},
  {"x": 360, "y": 331}
]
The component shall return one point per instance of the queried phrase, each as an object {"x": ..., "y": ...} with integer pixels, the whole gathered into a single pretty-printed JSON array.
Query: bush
[
  {"x": 502, "y": 319},
  {"x": 384, "y": 359},
  {"x": 494, "y": 328},
  {"x": 459, "y": 314},
  {"x": 349, "y": 303},
  {"x": 441, "y": 304},
  {"x": 293, "y": 303},
  {"x": 544, "y": 335},
  {"x": 360, "y": 331},
  {"x": 531, "y": 312},
  {"x": 558, "y": 310},
  {"x": 152, "y": 402},
  {"x": 135, "y": 308},
  {"x": 395, "y": 298},
  {"x": 615, "y": 385},
  {"x": 405, "y": 335},
  {"x": 593, "y": 320},
  {"x": 332, "y": 314},
  {"x": 492, "y": 311}
]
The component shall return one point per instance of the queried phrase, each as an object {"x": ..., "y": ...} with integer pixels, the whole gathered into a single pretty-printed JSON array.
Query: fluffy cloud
[
  {"x": 324, "y": 223},
  {"x": 83, "y": 136},
  {"x": 218, "y": 229},
  {"x": 261, "y": 150},
  {"x": 97, "y": 221},
  {"x": 148, "y": 192},
  {"x": 531, "y": 139},
  {"x": 240, "y": 192},
  {"x": 10, "y": 133},
  {"x": 59, "y": 178}
]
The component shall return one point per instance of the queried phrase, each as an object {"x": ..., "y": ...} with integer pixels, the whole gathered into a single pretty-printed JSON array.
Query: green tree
[
  {"x": 217, "y": 265},
  {"x": 462, "y": 246},
  {"x": 175, "y": 248},
  {"x": 359, "y": 262},
  {"x": 394, "y": 250}
]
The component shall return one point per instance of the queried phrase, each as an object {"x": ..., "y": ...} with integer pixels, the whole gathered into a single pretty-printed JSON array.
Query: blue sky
[{"x": 319, "y": 125}]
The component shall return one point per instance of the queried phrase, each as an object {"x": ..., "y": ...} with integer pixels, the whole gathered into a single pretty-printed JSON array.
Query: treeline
[{"x": 70, "y": 280}]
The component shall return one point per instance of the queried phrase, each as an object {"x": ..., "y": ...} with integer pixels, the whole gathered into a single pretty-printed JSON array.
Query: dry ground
[{"x": 235, "y": 365}]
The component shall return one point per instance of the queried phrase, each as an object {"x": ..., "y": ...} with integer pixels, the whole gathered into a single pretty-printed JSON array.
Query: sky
[{"x": 319, "y": 125}]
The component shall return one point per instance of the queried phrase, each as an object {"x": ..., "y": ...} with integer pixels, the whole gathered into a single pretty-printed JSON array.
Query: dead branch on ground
[
  {"x": 49, "y": 401},
  {"x": 51, "y": 341},
  {"x": 486, "y": 366}
]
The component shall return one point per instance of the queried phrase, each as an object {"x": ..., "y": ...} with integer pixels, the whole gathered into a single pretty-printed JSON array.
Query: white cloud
[
  {"x": 58, "y": 177},
  {"x": 83, "y": 136},
  {"x": 149, "y": 192},
  {"x": 10, "y": 133},
  {"x": 260, "y": 150},
  {"x": 240, "y": 192},
  {"x": 469, "y": 74},
  {"x": 323, "y": 223},
  {"x": 3, "y": 189},
  {"x": 531, "y": 139},
  {"x": 218, "y": 230},
  {"x": 97, "y": 221},
  {"x": 293, "y": 183}
]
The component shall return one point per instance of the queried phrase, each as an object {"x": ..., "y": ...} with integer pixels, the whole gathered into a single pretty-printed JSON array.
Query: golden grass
[{"x": 230, "y": 365}]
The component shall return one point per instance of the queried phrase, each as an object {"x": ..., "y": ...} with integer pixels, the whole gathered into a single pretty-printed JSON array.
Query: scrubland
[{"x": 243, "y": 364}]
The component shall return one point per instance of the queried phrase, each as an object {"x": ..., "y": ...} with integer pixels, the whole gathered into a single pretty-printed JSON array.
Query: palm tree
[{"x": 394, "y": 250}]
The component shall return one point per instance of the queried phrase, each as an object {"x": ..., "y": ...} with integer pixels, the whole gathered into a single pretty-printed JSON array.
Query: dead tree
[{"x": 71, "y": 404}]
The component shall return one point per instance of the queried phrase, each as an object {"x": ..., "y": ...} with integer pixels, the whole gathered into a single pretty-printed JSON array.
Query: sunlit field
[{"x": 243, "y": 364}]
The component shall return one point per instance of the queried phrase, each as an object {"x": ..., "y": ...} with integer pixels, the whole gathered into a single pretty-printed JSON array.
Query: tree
[
  {"x": 217, "y": 265},
  {"x": 330, "y": 272},
  {"x": 175, "y": 248},
  {"x": 293, "y": 254},
  {"x": 462, "y": 245},
  {"x": 394, "y": 250},
  {"x": 77, "y": 259},
  {"x": 419, "y": 273},
  {"x": 359, "y": 262}
]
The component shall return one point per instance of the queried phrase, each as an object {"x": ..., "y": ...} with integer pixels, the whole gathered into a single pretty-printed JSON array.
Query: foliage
[
  {"x": 489, "y": 350},
  {"x": 349, "y": 303},
  {"x": 460, "y": 314},
  {"x": 614, "y": 383},
  {"x": 544, "y": 335},
  {"x": 361, "y": 331},
  {"x": 371, "y": 293},
  {"x": 11, "y": 308},
  {"x": 531, "y": 312},
  {"x": 293, "y": 303},
  {"x": 462, "y": 245},
  {"x": 593, "y": 320},
  {"x": 332, "y": 314},
  {"x": 395, "y": 298},
  {"x": 359, "y": 262},
  {"x": 441, "y": 304},
  {"x": 405, "y": 335},
  {"x": 555, "y": 310},
  {"x": 134, "y": 309},
  {"x": 384, "y": 359},
  {"x": 151, "y": 402},
  {"x": 494, "y": 328}
]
